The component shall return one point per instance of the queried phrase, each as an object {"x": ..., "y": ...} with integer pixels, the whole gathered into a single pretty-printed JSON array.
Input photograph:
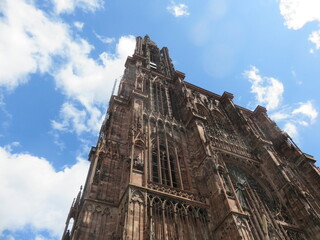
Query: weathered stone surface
[{"x": 175, "y": 161}]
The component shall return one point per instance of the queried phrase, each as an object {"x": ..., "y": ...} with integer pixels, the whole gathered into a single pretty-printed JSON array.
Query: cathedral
[{"x": 174, "y": 161}]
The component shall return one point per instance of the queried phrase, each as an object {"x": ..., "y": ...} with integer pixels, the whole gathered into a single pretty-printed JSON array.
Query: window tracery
[
  {"x": 171, "y": 219},
  {"x": 261, "y": 204},
  {"x": 164, "y": 169},
  {"x": 201, "y": 110},
  {"x": 241, "y": 179},
  {"x": 159, "y": 98},
  {"x": 222, "y": 134}
]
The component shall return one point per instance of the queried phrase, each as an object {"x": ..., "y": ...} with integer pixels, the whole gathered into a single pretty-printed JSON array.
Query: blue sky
[{"x": 59, "y": 60}]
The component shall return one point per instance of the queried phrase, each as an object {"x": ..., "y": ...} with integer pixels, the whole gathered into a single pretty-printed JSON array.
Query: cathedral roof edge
[
  {"x": 202, "y": 90},
  {"x": 215, "y": 95}
]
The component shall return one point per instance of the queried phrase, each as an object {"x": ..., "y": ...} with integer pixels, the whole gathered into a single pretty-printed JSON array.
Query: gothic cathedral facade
[{"x": 177, "y": 162}]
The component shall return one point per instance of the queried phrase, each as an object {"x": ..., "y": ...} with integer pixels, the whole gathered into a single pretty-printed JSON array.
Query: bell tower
[{"x": 175, "y": 161}]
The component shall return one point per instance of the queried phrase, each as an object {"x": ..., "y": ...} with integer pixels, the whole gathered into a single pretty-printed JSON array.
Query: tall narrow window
[
  {"x": 173, "y": 173},
  {"x": 159, "y": 98},
  {"x": 164, "y": 166},
  {"x": 160, "y": 106},
  {"x": 155, "y": 167},
  {"x": 164, "y": 102},
  {"x": 155, "y": 97},
  {"x": 164, "y": 163}
]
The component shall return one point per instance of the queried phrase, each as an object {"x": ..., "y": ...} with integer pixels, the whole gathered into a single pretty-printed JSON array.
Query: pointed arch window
[
  {"x": 259, "y": 201},
  {"x": 155, "y": 166},
  {"x": 170, "y": 219},
  {"x": 159, "y": 98},
  {"x": 164, "y": 170},
  {"x": 202, "y": 111}
]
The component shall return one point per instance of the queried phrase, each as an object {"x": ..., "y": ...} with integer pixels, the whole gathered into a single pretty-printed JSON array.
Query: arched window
[
  {"x": 259, "y": 202},
  {"x": 164, "y": 169},
  {"x": 170, "y": 219},
  {"x": 159, "y": 98},
  {"x": 202, "y": 111},
  {"x": 155, "y": 167},
  {"x": 240, "y": 179},
  {"x": 70, "y": 225}
]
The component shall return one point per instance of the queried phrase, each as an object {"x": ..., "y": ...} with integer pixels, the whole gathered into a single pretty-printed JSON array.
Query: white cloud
[
  {"x": 78, "y": 119},
  {"x": 307, "y": 109},
  {"x": 295, "y": 117},
  {"x": 79, "y": 25},
  {"x": 73, "y": 119},
  {"x": 68, "y": 6},
  {"x": 268, "y": 91},
  {"x": 29, "y": 45},
  {"x": 299, "y": 12},
  {"x": 84, "y": 81},
  {"x": 303, "y": 123},
  {"x": 315, "y": 38},
  {"x": 3, "y": 107},
  {"x": 56, "y": 139},
  {"x": 291, "y": 129},
  {"x": 103, "y": 39},
  {"x": 178, "y": 9},
  {"x": 89, "y": 83},
  {"x": 34, "y": 194},
  {"x": 279, "y": 116}
]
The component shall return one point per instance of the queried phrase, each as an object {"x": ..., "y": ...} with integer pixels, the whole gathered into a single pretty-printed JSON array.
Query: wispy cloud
[
  {"x": 103, "y": 39},
  {"x": 79, "y": 25},
  {"x": 291, "y": 129},
  {"x": 314, "y": 37},
  {"x": 302, "y": 114},
  {"x": 268, "y": 91},
  {"x": 306, "y": 109},
  {"x": 78, "y": 120},
  {"x": 278, "y": 116},
  {"x": 178, "y": 9},
  {"x": 68, "y": 6}
]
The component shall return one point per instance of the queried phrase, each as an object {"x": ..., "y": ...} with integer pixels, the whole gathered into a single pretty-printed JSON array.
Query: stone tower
[{"x": 175, "y": 161}]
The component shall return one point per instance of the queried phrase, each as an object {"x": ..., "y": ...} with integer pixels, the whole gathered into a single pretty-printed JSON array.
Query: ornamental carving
[{"x": 176, "y": 192}]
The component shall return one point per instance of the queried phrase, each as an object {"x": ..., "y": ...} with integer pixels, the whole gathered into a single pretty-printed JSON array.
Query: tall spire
[{"x": 154, "y": 58}]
